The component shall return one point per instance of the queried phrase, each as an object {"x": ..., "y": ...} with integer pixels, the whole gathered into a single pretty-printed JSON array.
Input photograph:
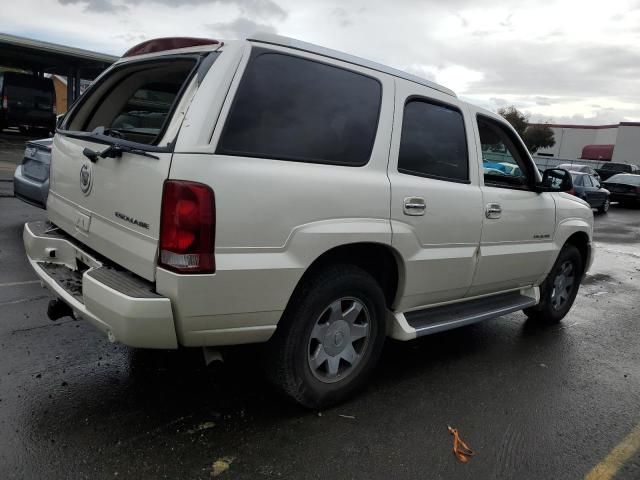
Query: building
[
  {"x": 60, "y": 84},
  {"x": 71, "y": 65},
  {"x": 615, "y": 143}
]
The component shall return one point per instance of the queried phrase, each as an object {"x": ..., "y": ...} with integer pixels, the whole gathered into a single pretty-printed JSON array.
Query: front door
[
  {"x": 436, "y": 203},
  {"x": 518, "y": 223}
]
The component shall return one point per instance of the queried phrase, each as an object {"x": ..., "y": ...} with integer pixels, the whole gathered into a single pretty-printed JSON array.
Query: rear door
[
  {"x": 436, "y": 202},
  {"x": 111, "y": 202}
]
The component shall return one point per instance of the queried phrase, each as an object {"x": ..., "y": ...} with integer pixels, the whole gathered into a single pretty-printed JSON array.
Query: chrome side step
[{"x": 446, "y": 317}]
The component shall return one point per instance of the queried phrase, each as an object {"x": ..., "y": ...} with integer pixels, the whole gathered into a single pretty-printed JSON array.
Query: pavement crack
[{"x": 42, "y": 326}]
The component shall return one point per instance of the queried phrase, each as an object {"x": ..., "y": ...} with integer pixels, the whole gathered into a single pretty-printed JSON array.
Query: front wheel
[
  {"x": 329, "y": 338},
  {"x": 559, "y": 290}
]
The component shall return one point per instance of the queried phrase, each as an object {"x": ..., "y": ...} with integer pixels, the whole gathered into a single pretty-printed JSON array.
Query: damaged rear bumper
[{"x": 118, "y": 303}]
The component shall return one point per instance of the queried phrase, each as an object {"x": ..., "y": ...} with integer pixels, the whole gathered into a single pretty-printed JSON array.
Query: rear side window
[
  {"x": 433, "y": 142},
  {"x": 291, "y": 108}
]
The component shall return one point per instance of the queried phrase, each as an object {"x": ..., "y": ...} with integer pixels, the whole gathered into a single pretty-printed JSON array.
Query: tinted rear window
[
  {"x": 291, "y": 108},
  {"x": 628, "y": 179}
]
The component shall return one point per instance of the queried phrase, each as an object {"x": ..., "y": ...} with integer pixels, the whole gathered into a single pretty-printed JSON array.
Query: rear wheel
[
  {"x": 604, "y": 208},
  {"x": 329, "y": 338},
  {"x": 559, "y": 290}
]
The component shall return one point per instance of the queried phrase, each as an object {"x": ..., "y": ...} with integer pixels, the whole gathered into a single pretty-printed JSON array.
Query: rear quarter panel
[{"x": 274, "y": 217}]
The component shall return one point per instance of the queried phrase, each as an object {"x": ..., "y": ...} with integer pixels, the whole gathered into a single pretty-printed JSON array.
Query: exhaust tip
[{"x": 58, "y": 309}]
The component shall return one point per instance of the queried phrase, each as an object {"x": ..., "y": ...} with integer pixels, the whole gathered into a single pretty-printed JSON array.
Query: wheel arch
[
  {"x": 381, "y": 261},
  {"x": 581, "y": 241}
]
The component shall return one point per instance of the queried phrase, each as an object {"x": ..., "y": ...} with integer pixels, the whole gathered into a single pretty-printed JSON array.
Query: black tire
[
  {"x": 604, "y": 208},
  {"x": 549, "y": 310},
  {"x": 290, "y": 350}
]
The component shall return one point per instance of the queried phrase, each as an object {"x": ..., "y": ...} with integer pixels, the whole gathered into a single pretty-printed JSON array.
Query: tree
[{"x": 534, "y": 137}]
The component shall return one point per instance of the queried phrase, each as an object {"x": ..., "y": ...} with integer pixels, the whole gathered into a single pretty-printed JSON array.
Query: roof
[
  {"x": 28, "y": 53},
  {"x": 344, "y": 57}
]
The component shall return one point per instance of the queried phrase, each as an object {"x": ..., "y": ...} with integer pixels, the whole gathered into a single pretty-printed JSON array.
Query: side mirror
[{"x": 555, "y": 180}]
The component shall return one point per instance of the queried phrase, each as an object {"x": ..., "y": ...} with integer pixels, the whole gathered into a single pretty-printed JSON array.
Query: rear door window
[
  {"x": 293, "y": 108},
  {"x": 433, "y": 142}
]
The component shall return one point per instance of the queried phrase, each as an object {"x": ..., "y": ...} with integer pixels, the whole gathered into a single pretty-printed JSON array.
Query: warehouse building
[{"x": 603, "y": 143}]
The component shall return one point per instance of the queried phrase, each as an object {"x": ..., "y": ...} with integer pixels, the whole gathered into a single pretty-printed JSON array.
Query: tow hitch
[{"x": 58, "y": 309}]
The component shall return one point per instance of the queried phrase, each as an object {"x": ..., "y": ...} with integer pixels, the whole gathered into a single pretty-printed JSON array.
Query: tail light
[
  {"x": 187, "y": 227},
  {"x": 572, "y": 191},
  {"x": 5, "y": 102}
]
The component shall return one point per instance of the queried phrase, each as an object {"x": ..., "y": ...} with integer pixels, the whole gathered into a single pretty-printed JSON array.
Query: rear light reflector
[{"x": 187, "y": 227}]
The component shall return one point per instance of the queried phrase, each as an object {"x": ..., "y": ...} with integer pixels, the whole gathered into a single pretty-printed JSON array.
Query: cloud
[
  {"x": 257, "y": 8},
  {"x": 96, "y": 6},
  {"x": 342, "y": 16},
  {"x": 239, "y": 28}
]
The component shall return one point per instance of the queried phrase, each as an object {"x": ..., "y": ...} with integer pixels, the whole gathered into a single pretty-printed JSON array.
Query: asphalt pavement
[{"x": 534, "y": 402}]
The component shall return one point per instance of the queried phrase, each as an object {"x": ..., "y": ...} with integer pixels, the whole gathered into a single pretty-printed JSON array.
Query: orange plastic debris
[{"x": 460, "y": 449}]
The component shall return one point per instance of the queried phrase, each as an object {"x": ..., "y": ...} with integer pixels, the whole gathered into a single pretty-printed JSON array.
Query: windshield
[{"x": 134, "y": 101}]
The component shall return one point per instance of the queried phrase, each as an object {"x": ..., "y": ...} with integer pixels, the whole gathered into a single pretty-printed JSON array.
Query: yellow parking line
[{"x": 608, "y": 467}]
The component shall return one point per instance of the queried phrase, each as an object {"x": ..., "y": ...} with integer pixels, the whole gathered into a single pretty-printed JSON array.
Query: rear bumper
[
  {"x": 30, "y": 190},
  {"x": 116, "y": 302}
]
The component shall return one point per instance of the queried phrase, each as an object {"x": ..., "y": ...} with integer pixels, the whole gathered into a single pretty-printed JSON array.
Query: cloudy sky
[{"x": 559, "y": 60}]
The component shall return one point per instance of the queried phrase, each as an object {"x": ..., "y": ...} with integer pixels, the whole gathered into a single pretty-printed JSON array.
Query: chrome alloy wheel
[
  {"x": 563, "y": 285},
  {"x": 339, "y": 339}
]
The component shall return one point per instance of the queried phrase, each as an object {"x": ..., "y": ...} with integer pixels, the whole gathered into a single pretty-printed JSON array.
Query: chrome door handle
[
  {"x": 493, "y": 210},
  {"x": 414, "y": 206}
]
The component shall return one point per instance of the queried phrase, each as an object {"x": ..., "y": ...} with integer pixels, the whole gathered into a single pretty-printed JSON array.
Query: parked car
[
  {"x": 588, "y": 188},
  {"x": 511, "y": 169},
  {"x": 624, "y": 188},
  {"x": 575, "y": 167},
  {"x": 282, "y": 200},
  {"x": 609, "y": 169},
  {"x": 31, "y": 178},
  {"x": 27, "y": 102}
]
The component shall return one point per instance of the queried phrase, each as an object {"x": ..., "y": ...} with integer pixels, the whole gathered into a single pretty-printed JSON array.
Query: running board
[{"x": 446, "y": 317}]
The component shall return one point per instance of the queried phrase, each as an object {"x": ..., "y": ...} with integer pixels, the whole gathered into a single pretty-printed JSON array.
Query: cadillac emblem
[{"x": 86, "y": 178}]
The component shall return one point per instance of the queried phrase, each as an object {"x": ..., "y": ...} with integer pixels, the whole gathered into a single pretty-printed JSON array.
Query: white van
[{"x": 206, "y": 194}]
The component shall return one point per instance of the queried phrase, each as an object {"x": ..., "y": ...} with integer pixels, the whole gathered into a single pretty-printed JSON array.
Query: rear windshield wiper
[{"x": 114, "y": 151}]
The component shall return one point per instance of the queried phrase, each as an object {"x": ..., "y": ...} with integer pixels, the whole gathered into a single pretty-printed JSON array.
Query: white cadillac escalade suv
[{"x": 206, "y": 194}]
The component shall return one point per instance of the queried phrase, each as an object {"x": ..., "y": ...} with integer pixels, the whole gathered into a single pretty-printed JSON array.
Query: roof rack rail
[{"x": 345, "y": 57}]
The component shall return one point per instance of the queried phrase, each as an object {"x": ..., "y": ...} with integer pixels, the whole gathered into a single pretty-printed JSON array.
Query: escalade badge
[{"x": 86, "y": 178}]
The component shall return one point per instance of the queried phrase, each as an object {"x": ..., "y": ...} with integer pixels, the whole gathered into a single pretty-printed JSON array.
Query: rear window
[
  {"x": 628, "y": 179},
  {"x": 134, "y": 101},
  {"x": 615, "y": 166},
  {"x": 291, "y": 108}
]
